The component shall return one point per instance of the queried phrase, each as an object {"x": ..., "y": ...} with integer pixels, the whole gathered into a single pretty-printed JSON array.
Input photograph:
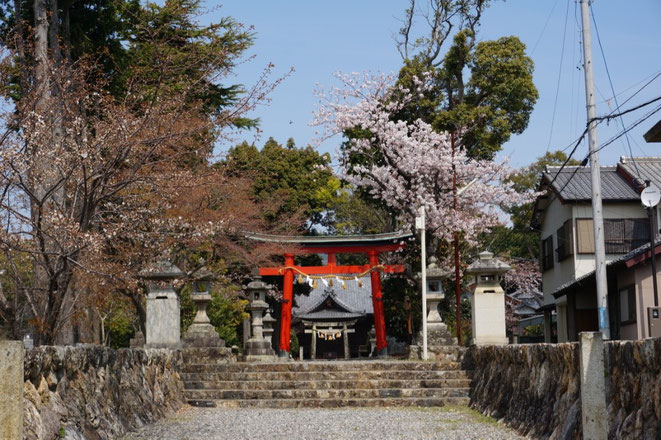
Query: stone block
[
  {"x": 11, "y": 390},
  {"x": 593, "y": 386},
  {"x": 202, "y": 335},
  {"x": 488, "y": 312},
  {"x": 163, "y": 326}
]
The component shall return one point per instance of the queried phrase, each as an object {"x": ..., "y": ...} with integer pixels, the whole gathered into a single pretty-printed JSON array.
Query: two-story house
[{"x": 563, "y": 215}]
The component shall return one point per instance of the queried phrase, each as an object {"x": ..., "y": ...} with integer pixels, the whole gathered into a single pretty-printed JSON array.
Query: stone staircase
[{"x": 325, "y": 384}]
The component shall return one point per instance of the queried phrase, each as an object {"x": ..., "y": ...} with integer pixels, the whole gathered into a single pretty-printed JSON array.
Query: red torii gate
[{"x": 371, "y": 245}]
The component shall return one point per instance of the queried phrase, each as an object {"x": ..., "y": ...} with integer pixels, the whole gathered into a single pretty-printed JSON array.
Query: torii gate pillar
[
  {"x": 377, "y": 302},
  {"x": 285, "y": 308}
]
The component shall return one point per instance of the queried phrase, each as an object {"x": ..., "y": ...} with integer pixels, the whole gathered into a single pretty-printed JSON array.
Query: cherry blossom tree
[
  {"x": 95, "y": 185},
  {"x": 407, "y": 164}
]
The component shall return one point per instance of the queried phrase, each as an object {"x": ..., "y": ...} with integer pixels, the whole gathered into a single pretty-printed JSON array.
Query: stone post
[
  {"x": 201, "y": 333},
  {"x": 257, "y": 348},
  {"x": 11, "y": 390},
  {"x": 548, "y": 326},
  {"x": 163, "y": 319},
  {"x": 269, "y": 321},
  {"x": 488, "y": 300},
  {"x": 593, "y": 386}
]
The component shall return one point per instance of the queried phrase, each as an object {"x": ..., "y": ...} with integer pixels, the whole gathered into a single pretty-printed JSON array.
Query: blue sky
[{"x": 318, "y": 38}]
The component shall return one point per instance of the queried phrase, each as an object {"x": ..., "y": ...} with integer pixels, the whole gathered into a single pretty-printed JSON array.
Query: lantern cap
[
  {"x": 161, "y": 270},
  {"x": 487, "y": 264},
  {"x": 204, "y": 274},
  {"x": 257, "y": 284},
  {"x": 435, "y": 272}
]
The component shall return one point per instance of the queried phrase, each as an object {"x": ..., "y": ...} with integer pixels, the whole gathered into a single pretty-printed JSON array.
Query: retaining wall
[
  {"x": 536, "y": 388},
  {"x": 633, "y": 388},
  {"x": 92, "y": 392}
]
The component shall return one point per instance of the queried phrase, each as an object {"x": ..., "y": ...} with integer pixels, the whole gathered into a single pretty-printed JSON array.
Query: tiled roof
[
  {"x": 561, "y": 291},
  {"x": 573, "y": 183},
  {"x": 353, "y": 299},
  {"x": 642, "y": 169},
  {"x": 330, "y": 314}
]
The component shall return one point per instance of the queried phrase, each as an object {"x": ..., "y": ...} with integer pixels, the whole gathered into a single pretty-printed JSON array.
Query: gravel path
[{"x": 335, "y": 424}]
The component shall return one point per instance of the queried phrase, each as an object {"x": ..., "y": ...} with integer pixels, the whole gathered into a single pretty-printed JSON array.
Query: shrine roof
[
  {"x": 333, "y": 240},
  {"x": 330, "y": 314},
  {"x": 354, "y": 299}
]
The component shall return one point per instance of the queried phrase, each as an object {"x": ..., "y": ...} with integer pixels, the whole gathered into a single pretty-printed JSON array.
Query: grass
[{"x": 473, "y": 415}]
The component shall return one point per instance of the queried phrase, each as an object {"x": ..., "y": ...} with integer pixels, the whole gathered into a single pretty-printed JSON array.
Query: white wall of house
[
  {"x": 577, "y": 265},
  {"x": 555, "y": 216}
]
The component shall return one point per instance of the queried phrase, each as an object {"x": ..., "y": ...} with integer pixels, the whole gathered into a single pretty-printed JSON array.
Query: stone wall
[
  {"x": 536, "y": 388},
  {"x": 533, "y": 388},
  {"x": 92, "y": 392},
  {"x": 633, "y": 393}
]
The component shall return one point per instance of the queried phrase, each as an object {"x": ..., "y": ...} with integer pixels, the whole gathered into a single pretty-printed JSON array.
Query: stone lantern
[
  {"x": 488, "y": 301},
  {"x": 258, "y": 347},
  {"x": 269, "y": 322},
  {"x": 201, "y": 333},
  {"x": 438, "y": 335},
  {"x": 163, "y": 321},
  {"x": 435, "y": 294}
]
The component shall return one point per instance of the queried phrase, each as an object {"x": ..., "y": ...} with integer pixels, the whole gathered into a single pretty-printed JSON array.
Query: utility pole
[
  {"x": 457, "y": 274},
  {"x": 597, "y": 212},
  {"x": 421, "y": 226}
]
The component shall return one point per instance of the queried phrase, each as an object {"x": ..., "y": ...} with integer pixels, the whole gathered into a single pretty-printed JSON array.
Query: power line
[
  {"x": 541, "y": 34},
  {"x": 631, "y": 127},
  {"x": 610, "y": 81},
  {"x": 652, "y": 76},
  {"x": 598, "y": 120},
  {"x": 557, "y": 87}
]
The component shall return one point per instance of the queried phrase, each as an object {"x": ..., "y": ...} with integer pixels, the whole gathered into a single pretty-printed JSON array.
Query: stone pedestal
[
  {"x": 138, "y": 341},
  {"x": 11, "y": 389},
  {"x": 163, "y": 314},
  {"x": 163, "y": 318},
  {"x": 488, "y": 301},
  {"x": 201, "y": 333}
]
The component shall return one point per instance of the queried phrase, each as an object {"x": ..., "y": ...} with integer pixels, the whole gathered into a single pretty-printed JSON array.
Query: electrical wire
[
  {"x": 610, "y": 81},
  {"x": 557, "y": 87},
  {"x": 541, "y": 34}
]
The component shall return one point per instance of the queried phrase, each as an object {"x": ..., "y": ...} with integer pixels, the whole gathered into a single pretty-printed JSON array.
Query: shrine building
[{"x": 339, "y": 302}]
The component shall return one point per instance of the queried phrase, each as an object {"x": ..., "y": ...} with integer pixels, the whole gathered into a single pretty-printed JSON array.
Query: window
[
  {"x": 584, "y": 236},
  {"x": 628, "y": 305},
  {"x": 565, "y": 245},
  {"x": 620, "y": 235},
  {"x": 547, "y": 253}
]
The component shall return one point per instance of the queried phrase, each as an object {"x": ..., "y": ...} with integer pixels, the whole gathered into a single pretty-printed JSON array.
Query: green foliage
[
  {"x": 293, "y": 344},
  {"x": 120, "y": 326},
  {"x": 286, "y": 180},
  {"x": 350, "y": 211},
  {"x": 519, "y": 240},
  {"x": 533, "y": 330},
  {"x": 226, "y": 312},
  {"x": 18, "y": 275},
  {"x": 395, "y": 291},
  {"x": 449, "y": 314}
]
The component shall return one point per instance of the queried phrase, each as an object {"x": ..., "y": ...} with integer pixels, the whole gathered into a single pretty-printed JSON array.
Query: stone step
[
  {"x": 325, "y": 375},
  {"x": 333, "y": 403},
  {"x": 325, "y": 384},
  {"x": 355, "y": 393},
  {"x": 291, "y": 366}
]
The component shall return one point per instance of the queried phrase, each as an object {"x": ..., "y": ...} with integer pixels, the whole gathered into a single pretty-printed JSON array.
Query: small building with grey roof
[{"x": 563, "y": 216}]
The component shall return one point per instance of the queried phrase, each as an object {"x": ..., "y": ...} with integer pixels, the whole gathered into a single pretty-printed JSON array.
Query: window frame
[
  {"x": 630, "y": 290},
  {"x": 547, "y": 257},
  {"x": 626, "y": 241},
  {"x": 566, "y": 233}
]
